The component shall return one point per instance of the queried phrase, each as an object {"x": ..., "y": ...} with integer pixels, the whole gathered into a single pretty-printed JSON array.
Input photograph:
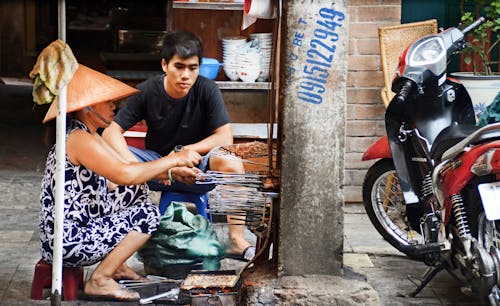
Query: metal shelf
[
  {"x": 139, "y": 75},
  {"x": 229, "y": 85},
  {"x": 208, "y": 6},
  {"x": 253, "y": 130}
]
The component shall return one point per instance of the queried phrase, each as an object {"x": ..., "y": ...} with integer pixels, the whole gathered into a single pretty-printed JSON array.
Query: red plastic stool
[{"x": 72, "y": 280}]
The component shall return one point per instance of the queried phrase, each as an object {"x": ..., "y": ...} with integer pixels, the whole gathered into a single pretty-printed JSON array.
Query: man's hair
[{"x": 182, "y": 43}]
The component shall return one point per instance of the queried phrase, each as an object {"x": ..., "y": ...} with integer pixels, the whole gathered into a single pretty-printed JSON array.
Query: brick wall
[{"x": 365, "y": 110}]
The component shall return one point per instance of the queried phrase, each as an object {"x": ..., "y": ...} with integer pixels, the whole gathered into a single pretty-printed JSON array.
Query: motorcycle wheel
[
  {"x": 384, "y": 204},
  {"x": 488, "y": 238},
  {"x": 488, "y": 234}
]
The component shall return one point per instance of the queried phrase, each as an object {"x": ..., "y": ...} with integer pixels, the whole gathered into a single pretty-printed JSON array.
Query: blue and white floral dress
[{"x": 96, "y": 219}]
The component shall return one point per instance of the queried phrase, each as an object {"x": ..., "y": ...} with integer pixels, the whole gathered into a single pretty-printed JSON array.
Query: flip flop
[
  {"x": 247, "y": 254},
  {"x": 121, "y": 295}
]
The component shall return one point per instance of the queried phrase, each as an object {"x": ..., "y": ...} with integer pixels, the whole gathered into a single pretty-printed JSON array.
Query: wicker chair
[{"x": 393, "y": 40}]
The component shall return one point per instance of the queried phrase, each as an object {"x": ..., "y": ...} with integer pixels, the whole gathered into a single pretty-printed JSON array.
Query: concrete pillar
[{"x": 313, "y": 91}]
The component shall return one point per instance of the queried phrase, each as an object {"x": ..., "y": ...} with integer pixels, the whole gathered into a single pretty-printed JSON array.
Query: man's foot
[
  {"x": 246, "y": 255},
  {"x": 105, "y": 288},
  {"x": 125, "y": 272}
]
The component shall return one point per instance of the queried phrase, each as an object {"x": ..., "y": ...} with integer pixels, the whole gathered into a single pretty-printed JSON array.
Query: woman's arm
[
  {"x": 84, "y": 149},
  {"x": 110, "y": 149},
  {"x": 113, "y": 135}
]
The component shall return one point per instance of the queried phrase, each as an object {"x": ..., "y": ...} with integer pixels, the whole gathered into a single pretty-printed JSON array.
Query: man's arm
[
  {"x": 221, "y": 136},
  {"x": 113, "y": 135}
]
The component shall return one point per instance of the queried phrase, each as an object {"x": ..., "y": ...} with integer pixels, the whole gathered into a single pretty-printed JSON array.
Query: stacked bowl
[
  {"x": 231, "y": 47},
  {"x": 249, "y": 66},
  {"x": 266, "y": 45}
]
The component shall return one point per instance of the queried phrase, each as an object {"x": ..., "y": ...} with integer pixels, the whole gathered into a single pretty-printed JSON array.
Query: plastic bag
[{"x": 182, "y": 239}]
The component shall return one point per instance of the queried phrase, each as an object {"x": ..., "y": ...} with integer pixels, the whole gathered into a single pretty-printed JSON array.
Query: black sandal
[{"x": 247, "y": 254}]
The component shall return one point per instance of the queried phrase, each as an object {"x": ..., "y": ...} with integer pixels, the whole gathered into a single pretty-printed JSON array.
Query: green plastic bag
[{"x": 182, "y": 239}]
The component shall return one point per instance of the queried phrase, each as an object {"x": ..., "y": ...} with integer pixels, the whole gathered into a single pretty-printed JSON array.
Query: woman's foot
[
  {"x": 125, "y": 272},
  {"x": 108, "y": 288}
]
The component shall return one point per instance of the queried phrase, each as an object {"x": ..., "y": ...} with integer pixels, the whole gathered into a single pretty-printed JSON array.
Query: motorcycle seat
[{"x": 453, "y": 134}]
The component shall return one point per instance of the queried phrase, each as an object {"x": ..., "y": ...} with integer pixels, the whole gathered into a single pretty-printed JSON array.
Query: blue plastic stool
[{"x": 198, "y": 199}]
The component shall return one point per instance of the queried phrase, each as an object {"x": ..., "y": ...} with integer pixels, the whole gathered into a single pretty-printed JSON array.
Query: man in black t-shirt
[{"x": 181, "y": 108}]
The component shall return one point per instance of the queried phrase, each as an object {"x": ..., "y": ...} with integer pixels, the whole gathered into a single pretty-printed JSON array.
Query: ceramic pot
[{"x": 481, "y": 88}]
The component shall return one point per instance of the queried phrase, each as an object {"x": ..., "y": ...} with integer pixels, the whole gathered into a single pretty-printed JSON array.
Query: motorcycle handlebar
[
  {"x": 405, "y": 91},
  {"x": 473, "y": 25}
]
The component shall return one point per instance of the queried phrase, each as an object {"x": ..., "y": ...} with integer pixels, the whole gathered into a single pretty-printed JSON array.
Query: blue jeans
[{"x": 149, "y": 155}]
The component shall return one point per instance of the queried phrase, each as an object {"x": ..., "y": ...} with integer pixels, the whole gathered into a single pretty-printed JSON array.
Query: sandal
[{"x": 247, "y": 254}]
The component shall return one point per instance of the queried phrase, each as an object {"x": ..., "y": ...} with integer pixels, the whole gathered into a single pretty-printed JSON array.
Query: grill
[{"x": 212, "y": 287}]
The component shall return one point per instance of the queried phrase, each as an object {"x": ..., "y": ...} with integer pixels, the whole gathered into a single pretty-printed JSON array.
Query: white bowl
[
  {"x": 264, "y": 75},
  {"x": 230, "y": 39},
  {"x": 248, "y": 75},
  {"x": 231, "y": 73}
]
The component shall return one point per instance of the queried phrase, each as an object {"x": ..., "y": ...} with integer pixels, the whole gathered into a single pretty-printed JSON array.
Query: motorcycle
[{"x": 434, "y": 193}]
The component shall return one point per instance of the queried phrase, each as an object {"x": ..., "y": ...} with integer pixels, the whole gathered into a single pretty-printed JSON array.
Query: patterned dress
[{"x": 96, "y": 218}]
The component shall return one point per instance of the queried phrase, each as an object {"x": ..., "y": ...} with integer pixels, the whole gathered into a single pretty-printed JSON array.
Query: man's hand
[
  {"x": 188, "y": 158},
  {"x": 185, "y": 175}
]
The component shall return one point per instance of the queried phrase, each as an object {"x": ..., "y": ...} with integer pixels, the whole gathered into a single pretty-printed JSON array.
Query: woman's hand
[
  {"x": 185, "y": 175},
  {"x": 163, "y": 179}
]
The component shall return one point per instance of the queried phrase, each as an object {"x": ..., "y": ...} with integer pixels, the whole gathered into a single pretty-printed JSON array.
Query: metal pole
[{"x": 57, "y": 264}]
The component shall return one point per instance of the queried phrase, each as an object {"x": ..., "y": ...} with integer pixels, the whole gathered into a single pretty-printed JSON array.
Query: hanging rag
[{"x": 54, "y": 68}]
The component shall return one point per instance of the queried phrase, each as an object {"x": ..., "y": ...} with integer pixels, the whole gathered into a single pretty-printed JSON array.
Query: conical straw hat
[{"x": 90, "y": 87}]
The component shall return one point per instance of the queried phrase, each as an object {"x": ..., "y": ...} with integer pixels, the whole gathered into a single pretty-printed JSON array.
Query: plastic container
[{"x": 209, "y": 67}]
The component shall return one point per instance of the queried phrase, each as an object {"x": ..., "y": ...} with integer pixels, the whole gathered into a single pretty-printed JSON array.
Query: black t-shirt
[{"x": 174, "y": 122}]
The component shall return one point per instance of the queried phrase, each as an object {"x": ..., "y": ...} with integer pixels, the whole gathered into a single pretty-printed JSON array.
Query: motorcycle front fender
[{"x": 380, "y": 149}]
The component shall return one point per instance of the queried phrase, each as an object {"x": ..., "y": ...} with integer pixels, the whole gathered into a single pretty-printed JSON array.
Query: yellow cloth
[{"x": 54, "y": 68}]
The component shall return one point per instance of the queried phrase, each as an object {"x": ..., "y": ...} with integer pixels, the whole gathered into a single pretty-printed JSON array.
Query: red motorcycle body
[
  {"x": 380, "y": 149},
  {"x": 457, "y": 177}
]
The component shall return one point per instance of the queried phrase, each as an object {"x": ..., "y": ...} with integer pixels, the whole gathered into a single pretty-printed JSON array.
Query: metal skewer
[{"x": 150, "y": 280}]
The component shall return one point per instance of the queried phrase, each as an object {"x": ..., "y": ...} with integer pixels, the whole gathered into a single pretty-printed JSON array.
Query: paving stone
[
  {"x": 357, "y": 261},
  {"x": 6, "y": 275},
  {"x": 20, "y": 286},
  {"x": 389, "y": 278},
  {"x": 19, "y": 191},
  {"x": 19, "y": 219},
  {"x": 19, "y": 255},
  {"x": 15, "y": 236},
  {"x": 360, "y": 236}
]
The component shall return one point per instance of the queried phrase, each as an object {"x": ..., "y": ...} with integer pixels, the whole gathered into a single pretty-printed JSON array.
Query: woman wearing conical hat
[{"x": 107, "y": 214}]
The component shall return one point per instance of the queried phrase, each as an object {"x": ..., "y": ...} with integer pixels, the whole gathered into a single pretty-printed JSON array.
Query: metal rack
[{"x": 227, "y": 6}]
